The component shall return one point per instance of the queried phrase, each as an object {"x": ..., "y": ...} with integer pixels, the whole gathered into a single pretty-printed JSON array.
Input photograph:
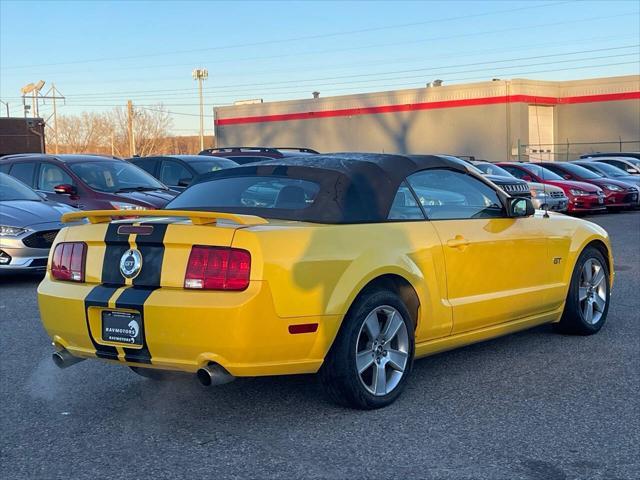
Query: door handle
[{"x": 458, "y": 242}]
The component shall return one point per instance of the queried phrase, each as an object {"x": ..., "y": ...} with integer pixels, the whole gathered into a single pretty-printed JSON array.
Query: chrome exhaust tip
[
  {"x": 63, "y": 359},
  {"x": 214, "y": 374}
]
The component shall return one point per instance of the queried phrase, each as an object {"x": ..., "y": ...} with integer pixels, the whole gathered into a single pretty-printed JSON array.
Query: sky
[{"x": 101, "y": 54}]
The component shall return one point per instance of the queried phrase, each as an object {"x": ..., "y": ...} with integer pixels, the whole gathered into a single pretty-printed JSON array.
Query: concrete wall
[
  {"x": 464, "y": 131},
  {"x": 487, "y": 119}
]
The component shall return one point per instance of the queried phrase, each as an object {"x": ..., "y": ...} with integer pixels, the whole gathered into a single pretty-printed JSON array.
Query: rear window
[
  {"x": 206, "y": 166},
  {"x": 248, "y": 192},
  {"x": 242, "y": 160}
]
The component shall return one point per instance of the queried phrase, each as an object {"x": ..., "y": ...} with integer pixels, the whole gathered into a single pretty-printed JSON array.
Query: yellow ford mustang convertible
[{"x": 350, "y": 265}]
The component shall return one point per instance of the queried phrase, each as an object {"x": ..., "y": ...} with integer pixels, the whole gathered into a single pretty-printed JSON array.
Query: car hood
[
  {"x": 545, "y": 187},
  {"x": 610, "y": 181},
  {"x": 25, "y": 213},
  {"x": 154, "y": 198},
  {"x": 587, "y": 187},
  {"x": 502, "y": 180},
  {"x": 629, "y": 179}
]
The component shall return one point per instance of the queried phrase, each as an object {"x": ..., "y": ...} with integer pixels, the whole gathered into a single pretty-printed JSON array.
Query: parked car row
[{"x": 38, "y": 188}]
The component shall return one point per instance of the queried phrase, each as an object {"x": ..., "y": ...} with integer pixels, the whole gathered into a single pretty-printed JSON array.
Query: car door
[
  {"x": 497, "y": 268},
  {"x": 50, "y": 176},
  {"x": 174, "y": 174}
]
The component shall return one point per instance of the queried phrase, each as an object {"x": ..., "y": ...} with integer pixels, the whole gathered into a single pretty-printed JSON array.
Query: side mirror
[
  {"x": 527, "y": 178},
  {"x": 184, "y": 182},
  {"x": 65, "y": 189},
  {"x": 520, "y": 207}
]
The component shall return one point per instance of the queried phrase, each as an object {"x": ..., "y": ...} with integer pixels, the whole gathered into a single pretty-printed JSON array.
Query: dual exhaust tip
[
  {"x": 63, "y": 359},
  {"x": 214, "y": 374},
  {"x": 209, "y": 375}
]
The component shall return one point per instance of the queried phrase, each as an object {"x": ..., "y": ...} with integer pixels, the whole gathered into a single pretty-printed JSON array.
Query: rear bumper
[{"x": 185, "y": 330}]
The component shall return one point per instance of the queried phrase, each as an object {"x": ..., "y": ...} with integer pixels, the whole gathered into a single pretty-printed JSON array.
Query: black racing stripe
[
  {"x": 99, "y": 297},
  {"x": 133, "y": 298},
  {"x": 116, "y": 245},
  {"x": 152, "y": 250}
]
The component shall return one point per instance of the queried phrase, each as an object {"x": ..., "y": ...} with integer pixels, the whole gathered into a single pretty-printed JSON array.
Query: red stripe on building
[{"x": 347, "y": 112}]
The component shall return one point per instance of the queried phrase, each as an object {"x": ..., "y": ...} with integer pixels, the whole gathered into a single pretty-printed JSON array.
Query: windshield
[
  {"x": 604, "y": 168},
  {"x": 212, "y": 165},
  {"x": 580, "y": 171},
  {"x": 114, "y": 176},
  {"x": 633, "y": 161},
  {"x": 12, "y": 189},
  {"x": 239, "y": 193},
  {"x": 491, "y": 169},
  {"x": 543, "y": 173}
]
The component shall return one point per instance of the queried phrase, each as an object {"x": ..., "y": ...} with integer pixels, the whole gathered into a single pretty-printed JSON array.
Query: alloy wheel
[
  {"x": 592, "y": 291},
  {"x": 382, "y": 351}
]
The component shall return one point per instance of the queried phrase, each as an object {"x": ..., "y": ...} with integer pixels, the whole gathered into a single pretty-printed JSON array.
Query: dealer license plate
[{"x": 121, "y": 327}]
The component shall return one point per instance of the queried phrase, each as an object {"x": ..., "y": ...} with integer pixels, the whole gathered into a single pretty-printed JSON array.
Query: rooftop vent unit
[{"x": 248, "y": 102}]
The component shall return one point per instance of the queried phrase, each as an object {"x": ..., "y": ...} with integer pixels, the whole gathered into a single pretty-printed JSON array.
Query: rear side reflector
[
  {"x": 218, "y": 268},
  {"x": 68, "y": 261},
  {"x": 303, "y": 328}
]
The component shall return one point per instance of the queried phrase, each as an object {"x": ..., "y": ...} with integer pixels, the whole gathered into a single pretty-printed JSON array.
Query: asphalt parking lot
[{"x": 534, "y": 405}]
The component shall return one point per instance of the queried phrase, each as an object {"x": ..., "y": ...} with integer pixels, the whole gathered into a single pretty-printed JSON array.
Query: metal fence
[{"x": 571, "y": 150}]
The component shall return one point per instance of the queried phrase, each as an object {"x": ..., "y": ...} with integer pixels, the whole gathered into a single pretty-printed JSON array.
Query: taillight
[
  {"x": 68, "y": 261},
  {"x": 217, "y": 268}
]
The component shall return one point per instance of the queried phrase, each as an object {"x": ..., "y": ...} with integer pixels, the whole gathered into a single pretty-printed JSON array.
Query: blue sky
[{"x": 99, "y": 54}]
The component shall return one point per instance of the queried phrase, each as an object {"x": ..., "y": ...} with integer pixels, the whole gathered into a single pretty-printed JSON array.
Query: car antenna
[{"x": 544, "y": 190}]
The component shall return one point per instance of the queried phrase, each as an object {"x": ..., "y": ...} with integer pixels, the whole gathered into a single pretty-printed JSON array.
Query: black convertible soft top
[{"x": 354, "y": 187}]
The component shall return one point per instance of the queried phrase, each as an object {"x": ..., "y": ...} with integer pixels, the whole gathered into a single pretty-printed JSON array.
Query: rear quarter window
[{"x": 23, "y": 172}]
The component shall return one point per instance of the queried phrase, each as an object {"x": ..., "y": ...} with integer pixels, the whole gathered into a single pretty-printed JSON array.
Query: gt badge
[
  {"x": 130, "y": 263},
  {"x": 557, "y": 260}
]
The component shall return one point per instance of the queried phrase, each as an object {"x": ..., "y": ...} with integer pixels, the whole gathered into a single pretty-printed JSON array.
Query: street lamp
[
  {"x": 201, "y": 74},
  {"x": 34, "y": 90}
]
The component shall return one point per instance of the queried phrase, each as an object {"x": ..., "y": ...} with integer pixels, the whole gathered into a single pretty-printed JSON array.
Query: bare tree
[
  {"x": 107, "y": 132},
  {"x": 77, "y": 133}
]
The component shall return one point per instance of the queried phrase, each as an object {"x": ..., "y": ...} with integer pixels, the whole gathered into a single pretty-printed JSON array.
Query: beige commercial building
[{"x": 496, "y": 120}]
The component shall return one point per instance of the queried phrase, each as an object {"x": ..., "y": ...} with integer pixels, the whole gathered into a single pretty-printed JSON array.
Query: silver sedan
[
  {"x": 28, "y": 225},
  {"x": 548, "y": 197}
]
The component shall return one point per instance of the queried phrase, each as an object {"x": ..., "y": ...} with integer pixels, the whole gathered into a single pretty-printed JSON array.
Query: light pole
[{"x": 201, "y": 74}]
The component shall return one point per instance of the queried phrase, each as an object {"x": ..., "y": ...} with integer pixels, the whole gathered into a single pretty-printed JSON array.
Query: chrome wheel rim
[
  {"x": 382, "y": 351},
  {"x": 592, "y": 291}
]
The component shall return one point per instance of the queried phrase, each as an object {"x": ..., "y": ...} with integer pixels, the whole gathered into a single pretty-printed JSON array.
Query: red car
[
  {"x": 617, "y": 194},
  {"x": 583, "y": 197},
  {"x": 88, "y": 182}
]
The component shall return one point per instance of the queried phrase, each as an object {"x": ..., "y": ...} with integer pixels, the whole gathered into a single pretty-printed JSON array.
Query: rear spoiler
[{"x": 196, "y": 217}]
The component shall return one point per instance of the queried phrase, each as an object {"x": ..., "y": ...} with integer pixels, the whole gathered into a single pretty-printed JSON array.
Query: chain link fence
[{"x": 571, "y": 150}]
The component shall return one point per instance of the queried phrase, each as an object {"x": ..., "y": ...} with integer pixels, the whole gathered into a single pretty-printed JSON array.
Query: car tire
[
  {"x": 368, "y": 365},
  {"x": 587, "y": 303}
]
